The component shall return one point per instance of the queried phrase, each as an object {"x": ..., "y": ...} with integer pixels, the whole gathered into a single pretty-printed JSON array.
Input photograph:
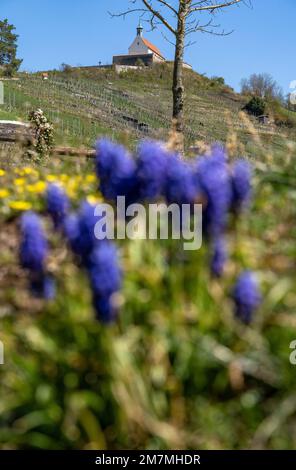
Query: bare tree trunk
[
  {"x": 187, "y": 23},
  {"x": 178, "y": 87}
]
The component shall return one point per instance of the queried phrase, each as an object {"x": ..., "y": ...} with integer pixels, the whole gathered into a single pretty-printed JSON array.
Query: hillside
[{"x": 85, "y": 103}]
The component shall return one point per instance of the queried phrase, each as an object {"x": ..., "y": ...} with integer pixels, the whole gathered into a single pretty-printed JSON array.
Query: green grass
[
  {"x": 86, "y": 103},
  {"x": 8, "y": 115}
]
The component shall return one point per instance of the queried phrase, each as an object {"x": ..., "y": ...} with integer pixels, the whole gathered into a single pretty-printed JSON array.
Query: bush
[
  {"x": 256, "y": 106},
  {"x": 140, "y": 63},
  {"x": 282, "y": 117},
  {"x": 43, "y": 132},
  {"x": 65, "y": 68},
  {"x": 218, "y": 81}
]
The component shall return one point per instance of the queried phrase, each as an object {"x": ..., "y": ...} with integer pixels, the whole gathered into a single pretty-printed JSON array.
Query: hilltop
[{"x": 84, "y": 103}]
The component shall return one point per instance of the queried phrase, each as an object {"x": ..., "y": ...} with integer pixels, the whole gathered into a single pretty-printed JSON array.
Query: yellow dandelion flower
[
  {"x": 30, "y": 188},
  {"x": 4, "y": 193},
  {"x": 30, "y": 171},
  {"x": 63, "y": 177},
  {"x": 20, "y": 205},
  {"x": 2, "y": 172},
  {"x": 90, "y": 178},
  {"x": 19, "y": 182},
  {"x": 40, "y": 186},
  {"x": 36, "y": 188},
  {"x": 73, "y": 183},
  {"x": 20, "y": 172},
  {"x": 51, "y": 178},
  {"x": 71, "y": 190},
  {"x": 92, "y": 199}
]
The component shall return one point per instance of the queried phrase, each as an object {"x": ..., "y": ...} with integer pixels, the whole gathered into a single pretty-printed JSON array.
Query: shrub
[
  {"x": 140, "y": 63},
  {"x": 65, "y": 68},
  {"x": 43, "y": 131},
  {"x": 256, "y": 106},
  {"x": 220, "y": 81}
]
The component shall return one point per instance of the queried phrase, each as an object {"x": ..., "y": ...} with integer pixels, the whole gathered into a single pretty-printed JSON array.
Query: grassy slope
[
  {"x": 8, "y": 115},
  {"x": 86, "y": 103}
]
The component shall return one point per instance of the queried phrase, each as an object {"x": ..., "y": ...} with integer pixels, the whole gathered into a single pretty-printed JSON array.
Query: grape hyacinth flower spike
[
  {"x": 33, "y": 256},
  {"x": 152, "y": 165},
  {"x": 219, "y": 257},
  {"x": 180, "y": 185},
  {"x": 213, "y": 177},
  {"x": 105, "y": 280},
  {"x": 218, "y": 152},
  {"x": 116, "y": 170},
  {"x": 241, "y": 185},
  {"x": 246, "y": 296},
  {"x": 79, "y": 230},
  {"x": 57, "y": 204}
]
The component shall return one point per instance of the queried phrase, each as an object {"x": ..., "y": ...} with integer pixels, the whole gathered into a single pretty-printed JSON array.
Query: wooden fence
[
  {"x": 20, "y": 132},
  {"x": 14, "y": 131}
]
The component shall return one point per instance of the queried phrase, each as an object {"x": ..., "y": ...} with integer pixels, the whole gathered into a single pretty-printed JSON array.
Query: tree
[
  {"x": 256, "y": 106},
  {"x": 66, "y": 68},
  {"x": 8, "y": 48},
  {"x": 180, "y": 18},
  {"x": 263, "y": 86}
]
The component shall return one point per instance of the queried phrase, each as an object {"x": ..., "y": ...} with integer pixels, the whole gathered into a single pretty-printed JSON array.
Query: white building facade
[{"x": 141, "y": 50}]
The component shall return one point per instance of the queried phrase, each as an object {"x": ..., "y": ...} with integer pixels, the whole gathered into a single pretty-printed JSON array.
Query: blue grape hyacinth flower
[
  {"x": 105, "y": 280},
  {"x": 79, "y": 230},
  {"x": 116, "y": 170},
  {"x": 33, "y": 256},
  {"x": 247, "y": 296},
  {"x": 71, "y": 231},
  {"x": 218, "y": 152},
  {"x": 180, "y": 186},
  {"x": 213, "y": 177},
  {"x": 34, "y": 247},
  {"x": 152, "y": 165},
  {"x": 57, "y": 204},
  {"x": 219, "y": 257},
  {"x": 241, "y": 185}
]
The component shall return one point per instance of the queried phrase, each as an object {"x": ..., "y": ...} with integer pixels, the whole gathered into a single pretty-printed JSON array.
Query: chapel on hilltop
[{"x": 140, "y": 51}]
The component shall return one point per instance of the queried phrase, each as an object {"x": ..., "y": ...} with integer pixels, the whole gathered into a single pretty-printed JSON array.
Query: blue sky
[{"x": 82, "y": 33}]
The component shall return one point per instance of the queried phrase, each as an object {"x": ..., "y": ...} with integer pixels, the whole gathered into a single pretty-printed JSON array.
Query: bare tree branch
[
  {"x": 212, "y": 7},
  {"x": 169, "y": 6},
  {"x": 158, "y": 15},
  {"x": 184, "y": 13}
]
